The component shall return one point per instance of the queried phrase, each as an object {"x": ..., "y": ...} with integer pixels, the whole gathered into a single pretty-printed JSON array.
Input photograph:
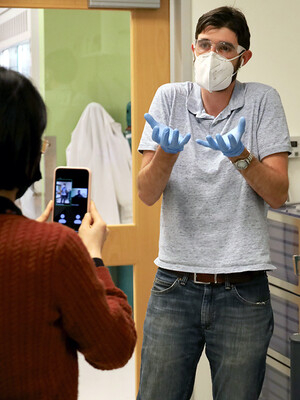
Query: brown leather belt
[{"x": 238, "y": 277}]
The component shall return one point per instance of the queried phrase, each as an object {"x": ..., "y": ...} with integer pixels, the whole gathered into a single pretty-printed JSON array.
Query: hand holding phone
[
  {"x": 71, "y": 195},
  {"x": 46, "y": 213},
  {"x": 93, "y": 232}
]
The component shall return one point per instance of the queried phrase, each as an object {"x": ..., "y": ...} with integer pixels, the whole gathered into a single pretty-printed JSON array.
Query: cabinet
[{"x": 284, "y": 226}]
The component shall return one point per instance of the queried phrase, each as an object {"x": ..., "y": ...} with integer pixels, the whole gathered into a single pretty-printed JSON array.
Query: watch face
[{"x": 241, "y": 164}]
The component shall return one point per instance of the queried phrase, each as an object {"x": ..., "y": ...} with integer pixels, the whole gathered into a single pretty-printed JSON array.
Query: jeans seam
[{"x": 167, "y": 290}]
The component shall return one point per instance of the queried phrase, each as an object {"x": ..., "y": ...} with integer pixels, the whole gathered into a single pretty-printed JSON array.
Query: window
[
  {"x": 17, "y": 57},
  {"x": 15, "y": 37}
]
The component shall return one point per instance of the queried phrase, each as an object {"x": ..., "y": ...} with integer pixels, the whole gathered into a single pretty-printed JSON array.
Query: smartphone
[{"x": 71, "y": 195}]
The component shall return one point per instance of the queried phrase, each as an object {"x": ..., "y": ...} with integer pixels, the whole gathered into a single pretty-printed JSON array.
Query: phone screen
[{"x": 71, "y": 196}]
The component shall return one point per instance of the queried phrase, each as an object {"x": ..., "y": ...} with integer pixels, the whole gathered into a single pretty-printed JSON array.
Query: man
[
  {"x": 216, "y": 176},
  {"x": 64, "y": 193}
]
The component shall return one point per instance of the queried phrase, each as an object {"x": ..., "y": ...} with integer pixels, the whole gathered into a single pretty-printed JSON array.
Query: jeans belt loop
[
  {"x": 183, "y": 280},
  {"x": 227, "y": 282}
]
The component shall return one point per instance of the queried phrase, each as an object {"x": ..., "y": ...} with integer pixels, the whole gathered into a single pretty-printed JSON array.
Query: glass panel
[
  {"x": 123, "y": 279},
  {"x": 17, "y": 57},
  {"x": 13, "y": 57},
  {"x": 4, "y": 58},
  {"x": 87, "y": 89},
  {"x": 24, "y": 59},
  {"x": 81, "y": 62}
]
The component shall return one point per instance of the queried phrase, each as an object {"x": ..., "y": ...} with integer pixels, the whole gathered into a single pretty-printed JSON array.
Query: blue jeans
[{"x": 234, "y": 323}]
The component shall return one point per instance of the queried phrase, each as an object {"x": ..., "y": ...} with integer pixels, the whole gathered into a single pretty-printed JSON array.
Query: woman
[{"x": 56, "y": 297}]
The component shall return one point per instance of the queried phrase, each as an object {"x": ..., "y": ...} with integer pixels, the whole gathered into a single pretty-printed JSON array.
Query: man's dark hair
[
  {"x": 226, "y": 17},
  {"x": 23, "y": 120}
]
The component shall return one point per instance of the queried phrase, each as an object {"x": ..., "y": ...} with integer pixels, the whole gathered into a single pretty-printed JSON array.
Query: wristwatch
[{"x": 244, "y": 163}]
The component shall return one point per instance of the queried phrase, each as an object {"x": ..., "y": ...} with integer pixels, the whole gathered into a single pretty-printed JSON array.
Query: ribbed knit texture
[{"x": 53, "y": 302}]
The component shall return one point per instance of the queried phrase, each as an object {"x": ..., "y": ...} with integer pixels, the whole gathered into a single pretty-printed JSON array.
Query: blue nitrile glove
[
  {"x": 229, "y": 144},
  {"x": 170, "y": 140}
]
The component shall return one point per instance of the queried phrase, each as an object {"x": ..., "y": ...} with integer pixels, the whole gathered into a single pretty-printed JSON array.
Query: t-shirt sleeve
[
  {"x": 272, "y": 133},
  {"x": 94, "y": 312},
  {"x": 160, "y": 111}
]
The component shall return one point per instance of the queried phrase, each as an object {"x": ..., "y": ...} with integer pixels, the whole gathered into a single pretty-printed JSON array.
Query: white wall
[
  {"x": 274, "y": 27},
  {"x": 274, "y": 42},
  {"x": 181, "y": 64}
]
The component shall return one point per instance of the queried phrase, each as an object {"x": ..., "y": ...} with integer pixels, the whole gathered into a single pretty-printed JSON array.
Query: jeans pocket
[
  {"x": 256, "y": 292},
  {"x": 164, "y": 282}
]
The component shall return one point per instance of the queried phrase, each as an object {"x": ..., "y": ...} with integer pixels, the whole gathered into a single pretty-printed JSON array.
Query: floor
[{"x": 118, "y": 384}]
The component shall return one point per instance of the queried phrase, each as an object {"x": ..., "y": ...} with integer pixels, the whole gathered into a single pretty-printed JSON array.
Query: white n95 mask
[{"x": 214, "y": 72}]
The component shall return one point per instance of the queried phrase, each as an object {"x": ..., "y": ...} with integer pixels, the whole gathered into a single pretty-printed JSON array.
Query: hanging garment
[
  {"x": 31, "y": 201},
  {"x": 98, "y": 143}
]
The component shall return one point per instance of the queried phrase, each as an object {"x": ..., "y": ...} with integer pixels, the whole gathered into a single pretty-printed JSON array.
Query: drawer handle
[{"x": 296, "y": 262}]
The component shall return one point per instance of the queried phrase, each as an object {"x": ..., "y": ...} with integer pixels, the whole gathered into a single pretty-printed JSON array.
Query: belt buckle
[{"x": 201, "y": 283}]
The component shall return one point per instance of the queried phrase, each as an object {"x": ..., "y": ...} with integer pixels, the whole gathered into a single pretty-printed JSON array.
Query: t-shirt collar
[{"x": 195, "y": 105}]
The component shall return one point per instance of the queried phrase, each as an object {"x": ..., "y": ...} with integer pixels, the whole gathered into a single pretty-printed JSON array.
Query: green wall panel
[{"x": 86, "y": 59}]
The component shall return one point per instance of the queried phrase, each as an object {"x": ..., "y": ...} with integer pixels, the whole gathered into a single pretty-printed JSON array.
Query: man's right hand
[
  {"x": 170, "y": 140},
  {"x": 93, "y": 232}
]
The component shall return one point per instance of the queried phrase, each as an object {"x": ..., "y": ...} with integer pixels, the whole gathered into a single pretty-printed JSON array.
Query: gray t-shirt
[{"x": 212, "y": 221}]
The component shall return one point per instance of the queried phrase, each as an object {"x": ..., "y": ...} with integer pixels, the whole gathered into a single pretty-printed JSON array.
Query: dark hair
[
  {"x": 226, "y": 17},
  {"x": 23, "y": 120}
]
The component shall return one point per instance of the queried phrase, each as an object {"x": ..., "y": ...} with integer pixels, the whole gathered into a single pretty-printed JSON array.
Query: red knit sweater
[{"x": 53, "y": 302}]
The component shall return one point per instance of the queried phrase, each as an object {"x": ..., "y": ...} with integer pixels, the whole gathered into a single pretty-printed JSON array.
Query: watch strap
[
  {"x": 246, "y": 160},
  {"x": 98, "y": 262}
]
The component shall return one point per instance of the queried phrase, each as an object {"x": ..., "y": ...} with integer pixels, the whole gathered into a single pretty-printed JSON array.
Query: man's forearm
[
  {"x": 268, "y": 178},
  {"x": 154, "y": 175}
]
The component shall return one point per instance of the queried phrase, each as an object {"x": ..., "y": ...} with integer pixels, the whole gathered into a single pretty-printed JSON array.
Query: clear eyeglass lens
[{"x": 222, "y": 48}]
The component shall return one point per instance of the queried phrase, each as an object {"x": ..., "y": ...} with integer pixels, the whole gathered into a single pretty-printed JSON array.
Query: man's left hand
[{"x": 229, "y": 144}]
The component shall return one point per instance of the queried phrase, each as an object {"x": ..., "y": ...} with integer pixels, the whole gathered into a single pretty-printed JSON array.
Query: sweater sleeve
[{"x": 94, "y": 312}]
